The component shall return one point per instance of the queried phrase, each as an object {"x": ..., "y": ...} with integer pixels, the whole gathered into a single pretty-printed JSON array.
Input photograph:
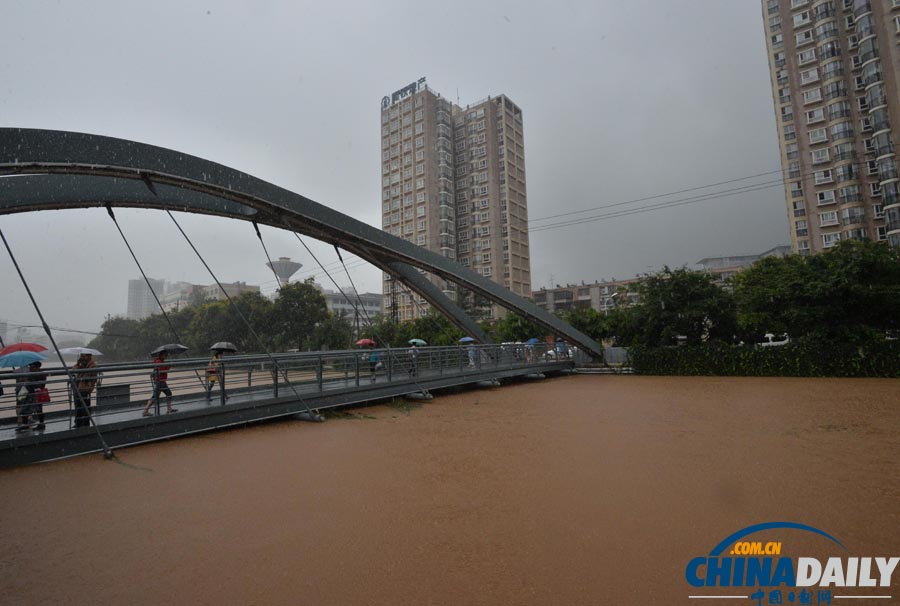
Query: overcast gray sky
[{"x": 621, "y": 100}]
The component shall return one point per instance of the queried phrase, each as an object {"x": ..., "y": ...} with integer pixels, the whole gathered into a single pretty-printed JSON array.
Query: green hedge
[{"x": 796, "y": 359}]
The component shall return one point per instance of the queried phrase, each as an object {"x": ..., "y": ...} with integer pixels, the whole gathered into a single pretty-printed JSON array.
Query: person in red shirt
[{"x": 160, "y": 377}]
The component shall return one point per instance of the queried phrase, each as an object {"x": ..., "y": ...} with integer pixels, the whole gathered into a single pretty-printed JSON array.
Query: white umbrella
[{"x": 77, "y": 351}]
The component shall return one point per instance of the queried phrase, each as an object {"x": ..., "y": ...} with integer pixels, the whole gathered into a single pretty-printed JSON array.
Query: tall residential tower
[
  {"x": 835, "y": 69},
  {"x": 453, "y": 181}
]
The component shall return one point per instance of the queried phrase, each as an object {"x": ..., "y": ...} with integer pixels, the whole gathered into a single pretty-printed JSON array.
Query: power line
[
  {"x": 644, "y": 199},
  {"x": 681, "y": 201}
]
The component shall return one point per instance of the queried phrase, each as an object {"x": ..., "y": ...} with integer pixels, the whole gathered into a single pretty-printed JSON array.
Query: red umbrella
[
  {"x": 365, "y": 342},
  {"x": 22, "y": 347}
]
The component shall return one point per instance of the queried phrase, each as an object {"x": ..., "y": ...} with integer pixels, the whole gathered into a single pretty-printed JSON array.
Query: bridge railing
[{"x": 122, "y": 390}]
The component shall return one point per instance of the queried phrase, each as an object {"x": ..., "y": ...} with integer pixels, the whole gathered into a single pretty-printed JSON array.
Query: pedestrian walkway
[{"x": 318, "y": 381}]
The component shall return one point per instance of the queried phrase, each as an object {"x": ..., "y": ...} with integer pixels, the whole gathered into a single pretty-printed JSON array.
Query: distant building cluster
[
  {"x": 176, "y": 295},
  {"x": 354, "y": 307},
  {"x": 601, "y": 296},
  {"x": 606, "y": 295},
  {"x": 724, "y": 268}
]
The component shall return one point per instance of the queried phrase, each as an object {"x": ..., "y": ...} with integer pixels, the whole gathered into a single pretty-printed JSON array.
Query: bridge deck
[{"x": 122, "y": 424}]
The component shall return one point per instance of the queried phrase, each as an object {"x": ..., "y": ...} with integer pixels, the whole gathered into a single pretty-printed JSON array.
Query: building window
[
  {"x": 821, "y": 155},
  {"x": 807, "y": 56},
  {"x": 804, "y": 37},
  {"x": 800, "y": 228},
  {"x": 420, "y": 169},
  {"x": 825, "y": 197},
  {"x": 812, "y": 95},
  {"x": 823, "y": 176},
  {"x": 829, "y": 240},
  {"x": 815, "y": 115},
  {"x": 801, "y": 18},
  {"x": 828, "y": 218},
  {"x": 809, "y": 76},
  {"x": 818, "y": 135}
]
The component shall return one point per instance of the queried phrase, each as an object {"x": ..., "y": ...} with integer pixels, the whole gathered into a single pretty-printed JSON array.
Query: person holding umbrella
[
  {"x": 215, "y": 370},
  {"x": 160, "y": 379},
  {"x": 85, "y": 380},
  {"x": 413, "y": 353},
  {"x": 34, "y": 385},
  {"x": 374, "y": 361}
]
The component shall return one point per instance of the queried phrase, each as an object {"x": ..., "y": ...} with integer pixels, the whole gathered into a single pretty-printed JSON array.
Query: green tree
[
  {"x": 434, "y": 329},
  {"x": 683, "y": 303},
  {"x": 335, "y": 332},
  {"x": 220, "y": 321},
  {"x": 386, "y": 332},
  {"x": 851, "y": 292},
  {"x": 513, "y": 327},
  {"x": 297, "y": 309},
  {"x": 589, "y": 321},
  {"x": 119, "y": 340}
]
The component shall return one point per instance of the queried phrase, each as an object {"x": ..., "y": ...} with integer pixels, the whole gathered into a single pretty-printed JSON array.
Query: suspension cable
[
  {"x": 266, "y": 250},
  {"x": 391, "y": 352},
  {"x": 340, "y": 290},
  {"x": 112, "y": 216},
  {"x": 107, "y": 451},
  {"x": 352, "y": 285},
  {"x": 238, "y": 310}
]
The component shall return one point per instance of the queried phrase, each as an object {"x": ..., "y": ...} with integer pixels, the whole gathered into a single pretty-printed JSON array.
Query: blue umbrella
[
  {"x": 20, "y": 358},
  {"x": 467, "y": 340},
  {"x": 532, "y": 341}
]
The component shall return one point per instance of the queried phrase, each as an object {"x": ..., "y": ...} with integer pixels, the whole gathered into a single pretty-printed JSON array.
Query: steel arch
[{"x": 46, "y": 170}]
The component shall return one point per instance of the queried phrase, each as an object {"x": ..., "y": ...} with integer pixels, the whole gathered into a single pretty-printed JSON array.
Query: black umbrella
[
  {"x": 224, "y": 346},
  {"x": 169, "y": 348}
]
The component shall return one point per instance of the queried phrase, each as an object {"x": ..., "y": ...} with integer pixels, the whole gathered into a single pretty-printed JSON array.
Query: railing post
[
  {"x": 319, "y": 373},
  {"x": 275, "y": 376},
  {"x": 356, "y": 357},
  {"x": 222, "y": 383},
  {"x": 390, "y": 365}
]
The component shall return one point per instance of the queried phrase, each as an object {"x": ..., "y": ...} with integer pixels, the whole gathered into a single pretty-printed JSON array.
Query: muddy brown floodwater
[{"x": 577, "y": 490}]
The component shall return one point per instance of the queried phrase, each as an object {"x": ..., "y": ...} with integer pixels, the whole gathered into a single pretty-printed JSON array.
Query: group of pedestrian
[
  {"x": 32, "y": 393},
  {"x": 31, "y": 389}
]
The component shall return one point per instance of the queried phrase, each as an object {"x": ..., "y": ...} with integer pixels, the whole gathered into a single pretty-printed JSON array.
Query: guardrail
[{"x": 123, "y": 389}]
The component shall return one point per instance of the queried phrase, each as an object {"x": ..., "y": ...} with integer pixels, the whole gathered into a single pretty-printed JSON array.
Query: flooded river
[{"x": 578, "y": 490}]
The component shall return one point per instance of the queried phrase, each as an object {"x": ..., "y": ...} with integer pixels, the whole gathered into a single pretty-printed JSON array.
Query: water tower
[{"x": 284, "y": 268}]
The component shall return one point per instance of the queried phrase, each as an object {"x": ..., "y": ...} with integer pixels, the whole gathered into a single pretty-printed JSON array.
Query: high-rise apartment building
[
  {"x": 453, "y": 181},
  {"x": 141, "y": 303},
  {"x": 835, "y": 68}
]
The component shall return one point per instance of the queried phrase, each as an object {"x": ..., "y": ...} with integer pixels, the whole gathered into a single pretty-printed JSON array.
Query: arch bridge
[{"x": 47, "y": 170}]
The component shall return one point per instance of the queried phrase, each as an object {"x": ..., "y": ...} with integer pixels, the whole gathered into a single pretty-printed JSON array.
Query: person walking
[
  {"x": 213, "y": 374},
  {"x": 28, "y": 388},
  {"x": 160, "y": 379},
  {"x": 374, "y": 362},
  {"x": 413, "y": 353},
  {"x": 85, "y": 380}
]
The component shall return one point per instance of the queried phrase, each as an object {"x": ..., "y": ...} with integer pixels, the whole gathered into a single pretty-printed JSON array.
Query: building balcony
[{"x": 860, "y": 8}]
